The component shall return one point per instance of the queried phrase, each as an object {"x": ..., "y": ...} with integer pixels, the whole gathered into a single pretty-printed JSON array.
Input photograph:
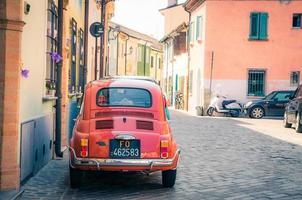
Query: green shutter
[
  {"x": 263, "y": 26},
  {"x": 254, "y": 25},
  {"x": 190, "y": 32},
  {"x": 198, "y": 27},
  {"x": 199, "y": 23}
]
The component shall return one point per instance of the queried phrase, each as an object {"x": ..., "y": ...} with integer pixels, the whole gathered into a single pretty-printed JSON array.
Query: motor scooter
[{"x": 221, "y": 104}]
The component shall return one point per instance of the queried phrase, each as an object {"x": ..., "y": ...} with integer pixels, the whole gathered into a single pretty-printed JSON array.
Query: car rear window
[{"x": 124, "y": 97}]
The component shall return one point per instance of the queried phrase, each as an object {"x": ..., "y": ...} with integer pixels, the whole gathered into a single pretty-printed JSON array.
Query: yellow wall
[{"x": 34, "y": 48}]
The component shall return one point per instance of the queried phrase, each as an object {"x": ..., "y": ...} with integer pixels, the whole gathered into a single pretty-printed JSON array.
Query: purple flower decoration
[
  {"x": 25, "y": 73},
  {"x": 55, "y": 57}
]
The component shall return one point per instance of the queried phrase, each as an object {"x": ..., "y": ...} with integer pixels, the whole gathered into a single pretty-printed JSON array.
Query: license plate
[{"x": 127, "y": 149}]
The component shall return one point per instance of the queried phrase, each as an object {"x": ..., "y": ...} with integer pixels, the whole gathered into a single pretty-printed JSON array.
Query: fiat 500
[{"x": 123, "y": 127}]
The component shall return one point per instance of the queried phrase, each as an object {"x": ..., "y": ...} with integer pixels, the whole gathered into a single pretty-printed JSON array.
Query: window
[
  {"x": 256, "y": 83},
  {"x": 282, "y": 96},
  {"x": 72, "y": 81},
  {"x": 295, "y": 78},
  {"x": 258, "y": 26},
  {"x": 152, "y": 61},
  {"x": 297, "y": 21},
  {"x": 81, "y": 72},
  {"x": 159, "y": 63},
  {"x": 199, "y": 22},
  {"x": 124, "y": 97},
  {"x": 139, "y": 54},
  {"x": 52, "y": 46}
]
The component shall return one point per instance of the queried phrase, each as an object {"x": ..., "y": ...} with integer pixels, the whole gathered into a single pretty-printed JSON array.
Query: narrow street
[{"x": 220, "y": 159}]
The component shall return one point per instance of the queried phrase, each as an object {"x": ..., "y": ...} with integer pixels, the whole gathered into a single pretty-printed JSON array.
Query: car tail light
[
  {"x": 84, "y": 148},
  {"x": 164, "y": 144}
]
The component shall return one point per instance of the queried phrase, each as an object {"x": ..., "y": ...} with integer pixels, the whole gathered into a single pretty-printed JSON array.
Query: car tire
[
  {"x": 285, "y": 122},
  {"x": 210, "y": 111},
  {"x": 257, "y": 112},
  {"x": 235, "y": 113},
  {"x": 75, "y": 177},
  {"x": 298, "y": 124},
  {"x": 169, "y": 178}
]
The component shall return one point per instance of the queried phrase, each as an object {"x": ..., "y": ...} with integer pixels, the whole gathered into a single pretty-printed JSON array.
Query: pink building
[{"x": 243, "y": 49}]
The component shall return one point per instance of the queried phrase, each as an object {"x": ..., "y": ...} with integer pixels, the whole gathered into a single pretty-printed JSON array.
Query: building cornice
[
  {"x": 191, "y": 5},
  {"x": 174, "y": 6},
  {"x": 174, "y": 32}
]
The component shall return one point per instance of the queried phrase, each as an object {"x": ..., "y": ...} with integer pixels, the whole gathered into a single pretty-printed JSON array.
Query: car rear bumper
[{"x": 123, "y": 164}]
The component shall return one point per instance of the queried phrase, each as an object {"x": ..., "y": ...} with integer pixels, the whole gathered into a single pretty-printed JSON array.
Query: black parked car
[
  {"x": 293, "y": 111},
  {"x": 271, "y": 105}
]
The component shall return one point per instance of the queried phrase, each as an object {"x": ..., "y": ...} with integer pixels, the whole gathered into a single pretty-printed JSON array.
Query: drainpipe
[
  {"x": 58, "y": 133},
  {"x": 102, "y": 52},
  {"x": 86, "y": 41},
  {"x": 126, "y": 48},
  {"x": 156, "y": 66},
  {"x": 189, "y": 61},
  {"x": 145, "y": 56},
  {"x": 108, "y": 52},
  {"x": 167, "y": 68},
  {"x": 173, "y": 81},
  {"x": 117, "y": 52}
]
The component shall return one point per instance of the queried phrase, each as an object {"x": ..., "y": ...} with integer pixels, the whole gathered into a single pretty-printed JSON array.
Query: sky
[{"x": 141, "y": 15}]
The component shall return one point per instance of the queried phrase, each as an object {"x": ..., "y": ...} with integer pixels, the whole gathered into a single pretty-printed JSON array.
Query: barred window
[
  {"x": 295, "y": 78},
  {"x": 52, "y": 46},
  {"x": 256, "y": 83},
  {"x": 72, "y": 73}
]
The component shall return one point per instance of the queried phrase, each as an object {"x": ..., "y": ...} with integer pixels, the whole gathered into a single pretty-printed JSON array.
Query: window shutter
[
  {"x": 263, "y": 26},
  {"x": 254, "y": 25},
  {"x": 198, "y": 27}
]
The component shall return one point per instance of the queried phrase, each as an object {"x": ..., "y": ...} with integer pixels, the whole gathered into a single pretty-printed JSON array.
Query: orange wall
[
  {"x": 227, "y": 34},
  {"x": 174, "y": 17}
]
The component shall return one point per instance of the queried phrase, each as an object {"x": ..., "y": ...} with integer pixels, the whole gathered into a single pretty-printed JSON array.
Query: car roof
[
  {"x": 127, "y": 81},
  {"x": 143, "y": 78}
]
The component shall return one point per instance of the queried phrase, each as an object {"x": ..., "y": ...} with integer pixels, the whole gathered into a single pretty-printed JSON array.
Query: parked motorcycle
[{"x": 221, "y": 104}]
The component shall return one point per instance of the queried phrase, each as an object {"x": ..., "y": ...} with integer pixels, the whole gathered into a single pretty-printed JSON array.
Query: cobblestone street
[{"x": 221, "y": 158}]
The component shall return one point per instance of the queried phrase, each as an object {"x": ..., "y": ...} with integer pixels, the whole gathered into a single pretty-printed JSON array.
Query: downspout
[
  {"x": 173, "y": 81},
  {"x": 145, "y": 52},
  {"x": 117, "y": 52},
  {"x": 156, "y": 65},
  {"x": 58, "y": 133},
  {"x": 167, "y": 68},
  {"x": 102, "y": 40},
  {"x": 189, "y": 61},
  {"x": 126, "y": 48},
  {"x": 86, "y": 41},
  {"x": 108, "y": 52}
]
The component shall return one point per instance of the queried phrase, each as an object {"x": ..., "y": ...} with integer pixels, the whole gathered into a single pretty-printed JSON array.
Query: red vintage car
[{"x": 123, "y": 126}]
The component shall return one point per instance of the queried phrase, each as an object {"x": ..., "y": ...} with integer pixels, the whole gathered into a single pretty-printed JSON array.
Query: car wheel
[
  {"x": 235, "y": 113},
  {"x": 168, "y": 178},
  {"x": 298, "y": 124},
  {"x": 210, "y": 111},
  {"x": 75, "y": 177},
  {"x": 257, "y": 113},
  {"x": 285, "y": 121}
]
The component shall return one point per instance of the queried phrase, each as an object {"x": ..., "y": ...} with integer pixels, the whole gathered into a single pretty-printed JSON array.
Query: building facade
[
  {"x": 176, "y": 54},
  {"x": 28, "y": 63},
  {"x": 254, "y": 52},
  {"x": 133, "y": 54}
]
